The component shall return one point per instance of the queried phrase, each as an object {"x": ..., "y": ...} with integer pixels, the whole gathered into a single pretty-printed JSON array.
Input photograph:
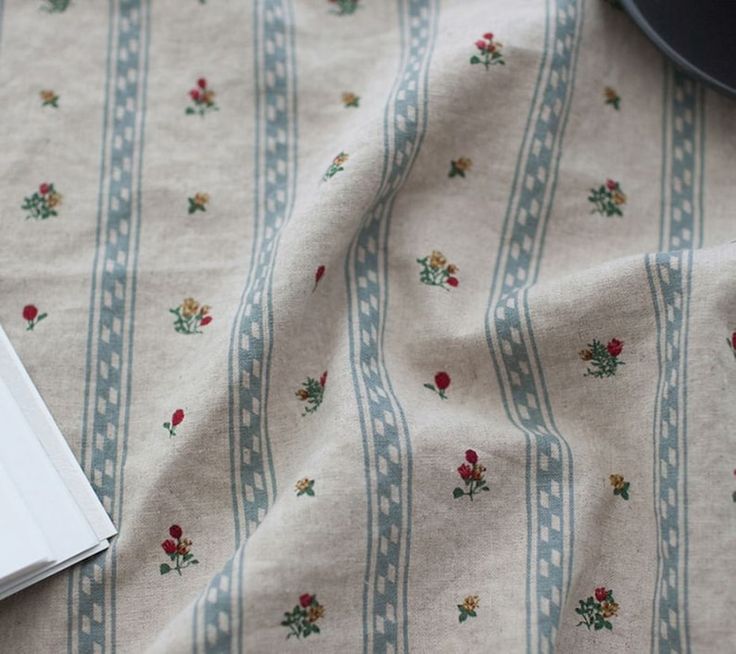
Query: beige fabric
[{"x": 383, "y": 544}]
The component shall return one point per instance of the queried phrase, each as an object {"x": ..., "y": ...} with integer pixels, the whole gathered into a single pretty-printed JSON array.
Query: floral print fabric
[{"x": 376, "y": 327}]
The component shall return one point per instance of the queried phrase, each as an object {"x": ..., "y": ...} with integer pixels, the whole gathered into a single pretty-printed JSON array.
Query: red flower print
[
  {"x": 317, "y": 276},
  {"x": 323, "y": 379},
  {"x": 203, "y": 99},
  {"x": 442, "y": 379},
  {"x": 30, "y": 315},
  {"x": 176, "y": 419},
  {"x": 465, "y": 471},
  {"x": 441, "y": 382},
  {"x": 611, "y": 185},
  {"x": 29, "y": 312},
  {"x": 733, "y": 340},
  {"x": 489, "y": 54},
  {"x": 302, "y": 619},
  {"x": 596, "y": 610},
  {"x": 453, "y": 281},
  {"x": 474, "y": 476},
  {"x": 178, "y": 551},
  {"x": 205, "y": 321},
  {"x": 615, "y": 347},
  {"x": 602, "y": 359},
  {"x": 44, "y": 188}
]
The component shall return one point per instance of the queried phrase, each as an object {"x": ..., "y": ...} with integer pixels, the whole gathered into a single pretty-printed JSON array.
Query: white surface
[{"x": 50, "y": 517}]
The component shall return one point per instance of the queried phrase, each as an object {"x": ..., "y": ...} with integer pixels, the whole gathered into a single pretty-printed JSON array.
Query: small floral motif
[
  {"x": 55, "y": 6},
  {"x": 302, "y": 620},
  {"x": 489, "y": 52},
  {"x": 607, "y": 199},
  {"x": 198, "y": 202},
  {"x": 305, "y": 487},
  {"x": 178, "y": 550},
  {"x": 42, "y": 204},
  {"x": 176, "y": 419},
  {"x": 469, "y": 608},
  {"x": 460, "y": 167},
  {"x": 49, "y": 99},
  {"x": 474, "y": 476},
  {"x": 318, "y": 274},
  {"x": 336, "y": 166},
  {"x": 30, "y": 315},
  {"x": 350, "y": 99},
  {"x": 620, "y": 486},
  {"x": 732, "y": 343},
  {"x": 344, "y": 7},
  {"x": 603, "y": 358},
  {"x": 437, "y": 272},
  {"x": 441, "y": 383},
  {"x": 597, "y": 609},
  {"x": 612, "y": 97},
  {"x": 190, "y": 316},
  {"x": 203, "y": 99},
  {"x": 312, "y": 393}
]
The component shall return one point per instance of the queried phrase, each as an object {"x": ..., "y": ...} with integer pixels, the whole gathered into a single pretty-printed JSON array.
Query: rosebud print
[
  {"x": 596, "y": 610},
  {"x": 312, "y": 392},
  {"x": 176, "y": 419},
  {"x": 603, "y": 360},
  {"x": 473, "y": 475},
  {"x": 437, "y": 272},
  {"x": 178, "y": 550},
  {"x": 488, "y": 52},
  {"x": 441, "y": 384},
  {"x": 31, "y": 316},
  {"x": 203, "y": 100},
  {"x": 42, "y": 203},
  {"x": 302, "y": 620},
  {"x": 318, "y": 275},
  {"x": 190, "y": 316},
  {"x": 607, "y": 199}
]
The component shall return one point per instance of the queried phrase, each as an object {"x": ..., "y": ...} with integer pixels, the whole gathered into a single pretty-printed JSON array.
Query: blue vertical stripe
[
  {"x": 385, "y": 433},
  {"x": 104, "y": 433},
  {"x": 669, "y": 275},
  {"x": 549, "y": 474},
  {"x": 275, "y": 172}
]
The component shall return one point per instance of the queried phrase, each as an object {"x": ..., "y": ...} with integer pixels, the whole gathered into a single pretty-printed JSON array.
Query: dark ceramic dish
[{"x": 698, "y": 35}]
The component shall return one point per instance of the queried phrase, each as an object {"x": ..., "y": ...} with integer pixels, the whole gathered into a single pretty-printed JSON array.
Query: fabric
[{"x": 377, "y": 326}]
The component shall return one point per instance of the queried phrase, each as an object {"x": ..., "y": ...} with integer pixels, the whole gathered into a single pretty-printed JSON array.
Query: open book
[{"x": 50, "y": 518}]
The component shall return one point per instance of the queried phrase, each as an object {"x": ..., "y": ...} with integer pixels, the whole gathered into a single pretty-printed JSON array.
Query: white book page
[
  {"x": 23, "y": 547},
  {"x": 36, "y": 480},
  {"x": 45, "y": 429}
]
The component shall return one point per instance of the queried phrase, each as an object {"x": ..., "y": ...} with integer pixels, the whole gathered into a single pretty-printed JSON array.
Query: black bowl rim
[{"x": 633, "y": 11}]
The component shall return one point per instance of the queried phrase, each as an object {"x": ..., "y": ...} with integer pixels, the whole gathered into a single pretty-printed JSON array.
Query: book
[{"x": 50, "y": 517}]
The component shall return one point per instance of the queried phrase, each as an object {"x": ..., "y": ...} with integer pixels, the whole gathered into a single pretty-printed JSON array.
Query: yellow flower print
[{"x": 189, "y": 307}]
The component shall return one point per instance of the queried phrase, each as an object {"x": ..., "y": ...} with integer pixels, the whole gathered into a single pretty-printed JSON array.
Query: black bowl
[{"x": 698, "y": 35}]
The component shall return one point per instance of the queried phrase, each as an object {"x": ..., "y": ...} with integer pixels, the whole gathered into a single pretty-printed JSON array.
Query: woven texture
[{"x": 377, "y": 326}]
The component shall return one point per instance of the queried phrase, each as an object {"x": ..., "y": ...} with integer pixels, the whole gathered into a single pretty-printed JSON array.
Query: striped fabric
[{"x": 388, "y": 327}]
